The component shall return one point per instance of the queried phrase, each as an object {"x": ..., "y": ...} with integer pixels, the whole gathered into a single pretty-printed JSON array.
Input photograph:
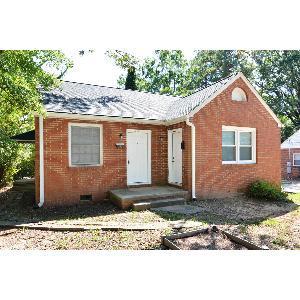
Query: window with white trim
[
  {"x": 296, "y": 159},
  {"x": 85, "y": 144},
  {"x": 238, "y": 94},
  {"x": 238, "y": 145}
]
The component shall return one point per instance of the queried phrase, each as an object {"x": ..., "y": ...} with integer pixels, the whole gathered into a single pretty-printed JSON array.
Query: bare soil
[{"x": 209, "y": 240}]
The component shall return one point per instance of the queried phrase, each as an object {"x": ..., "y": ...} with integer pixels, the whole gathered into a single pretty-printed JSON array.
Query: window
[
  {"x": 238, "y": 95},
  {"x": 85, "y": 144},
  {"x": 238, "y": 145},
  {"x": 296, "y": 159}
]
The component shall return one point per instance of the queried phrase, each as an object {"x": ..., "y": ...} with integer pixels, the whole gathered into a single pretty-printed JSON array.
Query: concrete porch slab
[{"x": 180, "y": 209}]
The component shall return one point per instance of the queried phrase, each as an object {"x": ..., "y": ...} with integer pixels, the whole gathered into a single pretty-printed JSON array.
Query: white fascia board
[{"x": 103, "y": 118}]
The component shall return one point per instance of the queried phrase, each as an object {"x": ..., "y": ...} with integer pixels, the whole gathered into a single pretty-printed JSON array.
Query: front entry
[
  {"x": 138, "y": 157},
  {"x": 175, "y": 156}
]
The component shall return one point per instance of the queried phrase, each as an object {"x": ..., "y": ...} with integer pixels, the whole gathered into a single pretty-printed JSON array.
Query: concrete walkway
[
  {"x": 292, "y": 186},
  {"x": 180, "y": 209}
]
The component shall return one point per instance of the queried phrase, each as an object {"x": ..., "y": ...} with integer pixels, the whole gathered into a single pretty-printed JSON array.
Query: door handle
[{"x": 128, "y": 162}]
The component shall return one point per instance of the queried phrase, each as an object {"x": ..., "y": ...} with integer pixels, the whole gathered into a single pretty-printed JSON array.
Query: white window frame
[
  {"x": 294, "y": 159},
  {"x": 70, "y": 143},
  {"x": 237, "y": 145}
]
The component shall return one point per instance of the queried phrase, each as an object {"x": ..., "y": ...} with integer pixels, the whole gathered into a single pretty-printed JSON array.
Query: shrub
[{"x": 266, "y": 190}]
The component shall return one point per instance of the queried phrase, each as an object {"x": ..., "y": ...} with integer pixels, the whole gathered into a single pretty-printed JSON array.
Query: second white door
[{"x": 175, "y": 156}]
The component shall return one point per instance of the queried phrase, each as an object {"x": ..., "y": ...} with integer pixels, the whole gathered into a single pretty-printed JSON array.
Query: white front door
[
  {"x": 138, "y": 157},
  {"x": 175, "y": 156}
]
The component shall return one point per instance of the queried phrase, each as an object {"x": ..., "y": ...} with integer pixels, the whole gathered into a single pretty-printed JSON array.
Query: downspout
[
  {"x": 193, "y": 157},
  {"x": 41, "y": 148}
]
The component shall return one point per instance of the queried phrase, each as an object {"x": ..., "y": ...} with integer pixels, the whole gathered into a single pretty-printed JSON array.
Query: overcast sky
[{"x": 97, "y": 68}]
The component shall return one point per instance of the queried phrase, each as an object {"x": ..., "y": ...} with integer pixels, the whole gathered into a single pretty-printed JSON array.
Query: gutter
[
  {"x": 193, "y": 132},
  {"x": 41, "y": 148}
]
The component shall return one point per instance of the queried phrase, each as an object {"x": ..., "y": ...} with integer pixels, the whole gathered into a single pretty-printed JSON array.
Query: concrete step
[
  {"x": 139, "y": 206},
  {"x": 125, "y": 198}
]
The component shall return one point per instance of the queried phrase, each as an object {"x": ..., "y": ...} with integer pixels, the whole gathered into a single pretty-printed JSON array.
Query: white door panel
[
  {"x": 175, "y": 156},
  {"x": 138, "y": 155}
]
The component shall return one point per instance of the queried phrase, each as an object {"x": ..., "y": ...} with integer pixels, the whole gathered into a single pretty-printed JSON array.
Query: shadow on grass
[
  {"x": 215, "y": 211},
  {"x": 245, "y": 212}
]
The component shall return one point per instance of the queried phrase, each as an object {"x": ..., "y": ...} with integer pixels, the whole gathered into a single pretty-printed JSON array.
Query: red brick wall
[
  {"x": 288, "y": 156},
  {"x": 213, "y": 178},
  {"x": 64, "y": 184}
]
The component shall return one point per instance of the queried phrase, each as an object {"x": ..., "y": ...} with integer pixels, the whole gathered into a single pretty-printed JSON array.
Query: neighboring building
[
  {"x": 290, "y": 157},
  {"x": 211, "y": 143}
]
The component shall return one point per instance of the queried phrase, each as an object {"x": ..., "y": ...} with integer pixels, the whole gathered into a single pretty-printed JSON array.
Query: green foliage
[
  {"x": 265, "y": 190},
  {"x": 279, "y": 83},
  {"x": 164, "y": 73},
  {"x": 23, "y": 74},
  {"x": 209, "y": 66}
]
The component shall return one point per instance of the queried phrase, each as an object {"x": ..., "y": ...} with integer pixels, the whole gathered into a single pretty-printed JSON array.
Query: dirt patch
[
  {"x": 95, "y": 240},
  {"x": 241, "y": 209},
  {"x": 210, "y": 240}
]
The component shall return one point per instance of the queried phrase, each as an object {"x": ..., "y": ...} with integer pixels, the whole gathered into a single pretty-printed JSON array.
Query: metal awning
[{"x": 26, "y": 137}]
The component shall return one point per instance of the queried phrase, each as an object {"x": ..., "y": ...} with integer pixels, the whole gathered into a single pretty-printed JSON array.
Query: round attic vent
[{"x": 238, "y": 95}]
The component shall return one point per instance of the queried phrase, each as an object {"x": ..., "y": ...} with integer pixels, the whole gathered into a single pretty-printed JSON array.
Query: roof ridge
[
  {"x": 209, "y": 85},
  {"x": 122, "y": 89}
]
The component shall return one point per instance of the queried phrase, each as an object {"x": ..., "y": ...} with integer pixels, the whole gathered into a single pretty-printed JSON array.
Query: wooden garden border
[{"x": 168, "y": 241}]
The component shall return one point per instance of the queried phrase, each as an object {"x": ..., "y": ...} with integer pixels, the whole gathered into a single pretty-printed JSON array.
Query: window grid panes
[
  {"x": 228, "y": 146},
  {"x": 237, "y": 146},
  {"x": 85, "y": 145},
  {"x": 296, "y": 159}
]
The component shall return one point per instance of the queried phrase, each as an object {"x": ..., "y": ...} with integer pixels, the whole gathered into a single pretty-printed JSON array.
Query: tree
[
  {"x": 130, "y": 82},
  {"x": 279, "y": 83},
  {"x": 209, "y": 66},
  {"x": 127, "y": 62},
  {"x": 164, "y": 73},
  {"x": 22, "y": 76}
]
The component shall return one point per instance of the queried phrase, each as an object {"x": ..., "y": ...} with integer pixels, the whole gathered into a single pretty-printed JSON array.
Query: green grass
[{"x": 295, "y": 198}]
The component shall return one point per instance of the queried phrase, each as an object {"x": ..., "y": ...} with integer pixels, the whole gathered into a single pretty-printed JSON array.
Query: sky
[{"x": 97, "y": 68}]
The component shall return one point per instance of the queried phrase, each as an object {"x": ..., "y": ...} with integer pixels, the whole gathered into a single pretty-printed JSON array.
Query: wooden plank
[
  {"x": 186, "y": 234},
  {"x": 170, "y": 244},
  {"x": 242, "y": 242},
  {"x": 168, "y": 240}
]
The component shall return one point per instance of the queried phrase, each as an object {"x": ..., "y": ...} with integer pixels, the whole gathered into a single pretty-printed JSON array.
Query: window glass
[
  {"x": 297, "y": 159},
  {"x": 245, "y": 138},
  {"x": 245, "y": 153},
  {"x": 85, "y": 145},
  {"x": 238, "y": 95},
  {"x": 228, "y": 138},
  {"x": 228, "y": 153}
]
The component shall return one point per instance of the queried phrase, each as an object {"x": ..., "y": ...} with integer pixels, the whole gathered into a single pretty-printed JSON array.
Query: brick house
[
  {"x": 290, "y": 157},
  {"x": 94, "y": 139}
]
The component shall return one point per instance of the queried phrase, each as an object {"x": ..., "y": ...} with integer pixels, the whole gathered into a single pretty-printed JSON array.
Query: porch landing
[{"x": 140, "y": 198}]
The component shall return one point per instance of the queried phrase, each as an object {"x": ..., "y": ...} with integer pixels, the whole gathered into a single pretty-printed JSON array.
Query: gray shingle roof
[
  {"x": 87, "y": 99},
  {"x": 292, "y": 142}
]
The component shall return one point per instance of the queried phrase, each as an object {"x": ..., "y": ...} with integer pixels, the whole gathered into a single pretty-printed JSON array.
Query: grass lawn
[{"x": 273, "y": 224}]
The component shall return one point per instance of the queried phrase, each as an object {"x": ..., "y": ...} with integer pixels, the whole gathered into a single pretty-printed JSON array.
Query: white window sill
[
  {"x": 84, "y": 166},
  {"x": 238, "y": 163}
]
